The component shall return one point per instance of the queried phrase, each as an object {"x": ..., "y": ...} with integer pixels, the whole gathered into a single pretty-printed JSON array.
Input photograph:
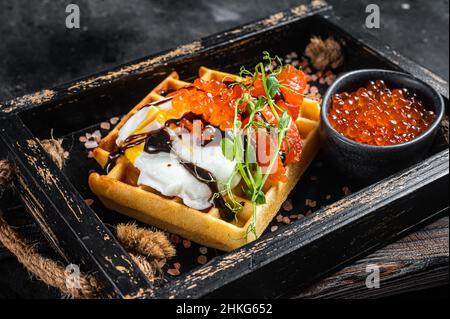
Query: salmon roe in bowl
[{"x": 380, "y": 116}]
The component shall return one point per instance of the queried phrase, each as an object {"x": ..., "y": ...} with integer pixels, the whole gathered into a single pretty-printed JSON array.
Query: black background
[{"x": 37, "y": 50}]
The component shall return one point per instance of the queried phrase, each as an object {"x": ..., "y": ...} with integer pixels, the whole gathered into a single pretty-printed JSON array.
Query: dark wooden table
[{"x": 38, "y": 51}]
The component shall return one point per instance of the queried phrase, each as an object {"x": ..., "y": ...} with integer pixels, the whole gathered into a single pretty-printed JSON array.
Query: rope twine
[
  {"x": 145, "y": 242},
  {"x": 144, "y": 246},
  {"x": 44, "y": 268}
]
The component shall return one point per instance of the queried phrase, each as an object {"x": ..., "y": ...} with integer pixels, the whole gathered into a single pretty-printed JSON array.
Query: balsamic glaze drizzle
[
  {"x": 209, "y": 179},
  {"x": 159, "y": 141}
]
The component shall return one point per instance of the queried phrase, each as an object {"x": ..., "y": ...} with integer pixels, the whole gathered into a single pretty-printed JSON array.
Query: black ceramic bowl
[{"x": 362, "y": 161}]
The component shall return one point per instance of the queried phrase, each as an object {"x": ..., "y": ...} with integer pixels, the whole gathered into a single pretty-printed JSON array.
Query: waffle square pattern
[{"x": 119, "y": 191}]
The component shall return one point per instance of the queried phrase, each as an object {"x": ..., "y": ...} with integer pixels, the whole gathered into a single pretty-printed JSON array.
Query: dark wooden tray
[{"x": 279, "y": 263}]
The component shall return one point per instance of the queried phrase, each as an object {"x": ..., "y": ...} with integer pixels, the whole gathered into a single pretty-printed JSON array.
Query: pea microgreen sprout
[{"x": 240, "y": 145}]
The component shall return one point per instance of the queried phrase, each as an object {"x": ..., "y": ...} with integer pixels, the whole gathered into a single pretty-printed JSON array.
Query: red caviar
[
  {"x": 211, "y": 99},
  {"x": 215, "y": 102},
  {"x": 377, "y": 115}
]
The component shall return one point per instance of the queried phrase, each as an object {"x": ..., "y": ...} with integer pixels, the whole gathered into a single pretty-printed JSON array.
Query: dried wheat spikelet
[{"x": 324, "y": 53}]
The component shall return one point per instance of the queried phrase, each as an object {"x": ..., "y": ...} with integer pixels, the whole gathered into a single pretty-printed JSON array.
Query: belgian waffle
[{"x": 119, "y": 191}]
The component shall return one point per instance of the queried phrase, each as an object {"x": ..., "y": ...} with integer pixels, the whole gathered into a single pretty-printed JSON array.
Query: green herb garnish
[{"x": 240, "y": 147}]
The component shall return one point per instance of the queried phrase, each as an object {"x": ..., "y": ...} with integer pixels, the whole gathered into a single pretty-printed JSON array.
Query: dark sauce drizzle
[
  {"x": 209, "y": 179},
  {"x": 159, "y": 141}
]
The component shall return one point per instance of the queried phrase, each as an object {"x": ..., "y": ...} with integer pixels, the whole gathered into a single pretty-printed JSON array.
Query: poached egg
[{"x": 164, "y": 172}]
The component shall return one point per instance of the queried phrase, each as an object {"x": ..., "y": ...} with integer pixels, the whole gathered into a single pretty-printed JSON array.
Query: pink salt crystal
[
  {"x": 186, "y": 243},
  {"x": 202, "y": 260},
  {"x": 90, "y": 145},
  {"x": 287, "y": 205},
  {"x": 173, "y": 272},
  {"x": 105, "y": 125},
  {"x": 97, "y": 133},
  {"x": 114, "y": 120}
]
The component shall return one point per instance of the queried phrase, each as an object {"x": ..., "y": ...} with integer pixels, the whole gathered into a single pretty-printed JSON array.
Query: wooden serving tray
[{"x": 335, "y": 232}]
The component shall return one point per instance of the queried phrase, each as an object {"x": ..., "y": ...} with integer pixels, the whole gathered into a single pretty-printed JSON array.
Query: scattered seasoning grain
[
  {"x": 66, "y": 155},
  {"x": 175, "y": 239},
  {"x": 105, "y": 126},
  {"x": 273, "y": 228},
  {"x": 89, "y": 201},
  {"x": 279, "y": 218},
  {"x": 286, "y": 220},
  {"x": 328, "y": 197},
  {"x": 90, "y": 144},
  {"x": 292, "y": 55},
  {"x": 202, "y": 260},
  {"x": 187, "y": 243},
  {"x": 330, "y": 79},
  {"x": 203, "y": 250},
  {"x": 287, "y": 205},
  {"x": 346, "y": 191},
  {"x": 310, "y": 203},
  {"x": 114, "y": 120},
  {"x": 96, "y": 133},
  {"x": 162, "y": 263},
  {"x": 177, "y": 266},
  {"x": 327, "y": 77},
  {"x": 82, "y": 139},
  {"x": 173, "y": 272}
]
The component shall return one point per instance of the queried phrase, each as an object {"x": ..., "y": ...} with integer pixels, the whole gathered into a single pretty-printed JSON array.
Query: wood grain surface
[{"x": 417, "y": 261}]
